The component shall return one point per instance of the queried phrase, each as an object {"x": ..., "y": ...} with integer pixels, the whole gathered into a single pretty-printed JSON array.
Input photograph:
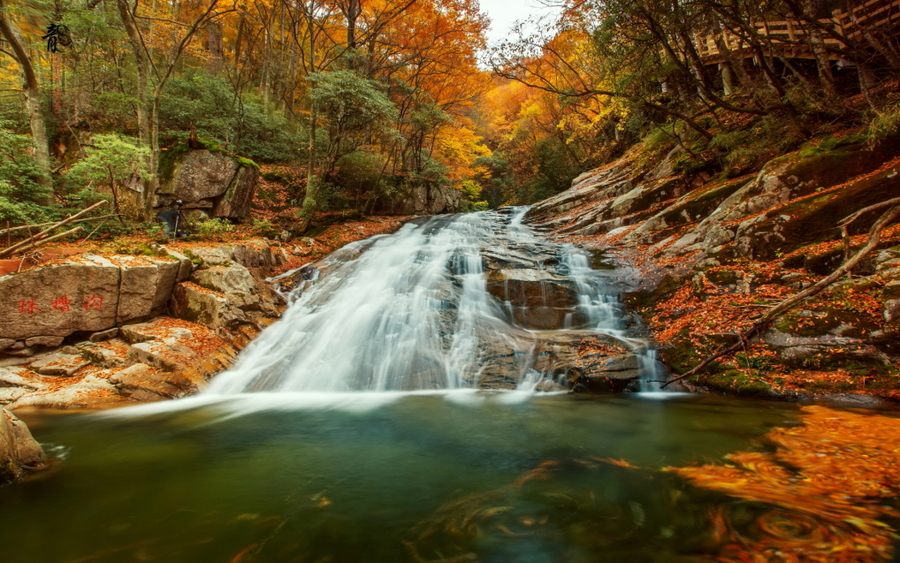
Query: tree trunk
[
  {"x": 727, "y": 79},
  {"x": 214, "y": 44},
  {"x": 312, "y": 184},
  {"x": 143, "y": 115},
  {"x": 353, "y": 11},
  {"x": 820, "y": 52},
  {"x": 31, "y": 89}
]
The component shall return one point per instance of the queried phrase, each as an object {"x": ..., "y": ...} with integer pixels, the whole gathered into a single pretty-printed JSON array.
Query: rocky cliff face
[
  {"x": 422, "y": 200},
  {"x": 714, "y": 253},
  {"x": 215, "y": 182}
]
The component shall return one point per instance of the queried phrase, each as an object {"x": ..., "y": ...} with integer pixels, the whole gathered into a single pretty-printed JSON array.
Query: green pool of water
[{"x": 461, "y": 477}]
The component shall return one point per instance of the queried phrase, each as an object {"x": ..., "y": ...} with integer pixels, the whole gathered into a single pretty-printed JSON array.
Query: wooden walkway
[{"x": 789, "y": 38}]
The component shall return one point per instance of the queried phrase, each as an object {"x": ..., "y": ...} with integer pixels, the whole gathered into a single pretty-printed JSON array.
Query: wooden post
[{"x": 727, "y": 78}]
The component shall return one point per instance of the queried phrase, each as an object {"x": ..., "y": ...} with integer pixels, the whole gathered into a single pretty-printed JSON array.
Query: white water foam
[{"x": 409, "y": 312}]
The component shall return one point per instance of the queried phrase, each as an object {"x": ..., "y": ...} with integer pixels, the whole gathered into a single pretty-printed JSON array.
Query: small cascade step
[{"x": 471, "y": 301}]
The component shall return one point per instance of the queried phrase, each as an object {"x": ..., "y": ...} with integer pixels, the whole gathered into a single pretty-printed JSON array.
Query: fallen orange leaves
[{"x": 831, "y": 481}]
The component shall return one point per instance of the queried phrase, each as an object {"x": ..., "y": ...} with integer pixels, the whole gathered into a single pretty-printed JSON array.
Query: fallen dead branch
[
  {"x": 874, "y": 238},
  {"x": 42, "y": 237},
  {"x": 11, "y": 230},
  {"x": 51, "y": 239}
]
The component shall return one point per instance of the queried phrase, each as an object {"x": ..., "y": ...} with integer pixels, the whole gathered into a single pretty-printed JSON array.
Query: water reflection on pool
[{"x": 471, "y": 476}]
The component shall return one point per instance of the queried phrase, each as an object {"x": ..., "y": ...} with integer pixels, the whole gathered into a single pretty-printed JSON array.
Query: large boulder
[
  {"x": 247, "y": 292},
  {"x": 581, "y": 361},
  {"x": 590, "y": 362},
  {"x": 229, "y": 299},
  {"x": 207, "y": 307},
  {"x": 213, "y": 180},
  {"x": 536, "y": 299},
  {"x": 19, "y": 451},
  {"x": 256, "y": 255},
  {"x": 422, "y": 200},
  {"x": 86, "y": 293}
]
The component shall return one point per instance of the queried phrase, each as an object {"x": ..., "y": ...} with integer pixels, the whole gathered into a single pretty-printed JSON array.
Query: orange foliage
[{"x": 832, "y": 480}]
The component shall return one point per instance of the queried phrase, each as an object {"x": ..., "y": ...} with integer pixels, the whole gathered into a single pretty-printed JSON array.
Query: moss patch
[
  {"x": 814, "y": 219},
  {"x": 701, "y": 202},
  {"x": 733, "y": 382}
]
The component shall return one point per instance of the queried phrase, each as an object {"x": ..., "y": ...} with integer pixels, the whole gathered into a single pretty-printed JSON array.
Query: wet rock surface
[
  {"x": 704, "y": 247},
  {"x": 475, "y": 301},
  {"x": 19, "y": 452}
]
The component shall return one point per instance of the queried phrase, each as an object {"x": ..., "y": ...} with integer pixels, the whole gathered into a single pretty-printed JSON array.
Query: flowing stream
[
  {"x": 394, "y": 416},
  {"x": 458, "y": 302}
]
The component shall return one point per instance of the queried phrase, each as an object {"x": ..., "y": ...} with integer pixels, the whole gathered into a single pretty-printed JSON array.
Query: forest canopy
[{"x": 364, "y": 99}]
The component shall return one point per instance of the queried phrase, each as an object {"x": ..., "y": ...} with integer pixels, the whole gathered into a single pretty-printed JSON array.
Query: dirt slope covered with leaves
[{"x": 716, "y": 253}]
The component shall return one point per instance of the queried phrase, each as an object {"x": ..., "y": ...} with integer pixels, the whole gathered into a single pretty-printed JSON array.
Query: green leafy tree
[
  {"x": 470, "y": 199},
  {"x": 354, "y": 111},
  {"x": 111, "y": 160},
  {"x": 22, "y": 191}
]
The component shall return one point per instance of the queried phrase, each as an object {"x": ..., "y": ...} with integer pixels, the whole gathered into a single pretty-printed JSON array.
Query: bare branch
[{"x": 871, "y": 243}]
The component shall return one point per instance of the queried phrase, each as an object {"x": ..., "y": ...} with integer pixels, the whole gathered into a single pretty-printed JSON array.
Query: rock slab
[{"x": 19, "y": 452}]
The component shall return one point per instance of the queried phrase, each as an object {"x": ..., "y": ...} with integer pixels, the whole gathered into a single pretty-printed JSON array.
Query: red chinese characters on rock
[
  {"x": 28, "y": 307},
  {"x": 92, "y": 303},
  {"x": 62, "y": 304}
]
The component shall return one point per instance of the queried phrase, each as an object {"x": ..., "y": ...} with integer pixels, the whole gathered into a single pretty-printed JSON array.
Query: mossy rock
[
  {"x": 208, "y": 177},
  {"x": 733, "y": 382},
  {"x": 665, "y": 289},
  {"x": 682, "y": 355},
  {"x": 599, "y": 261},
  {"x": 813, "y": 219},
  {"x": 891, "y": 291},
  {"x": 823, "y": 320},
  {"x": 832, "y": 168},
  {"x": 693, "y": 206},
  {"x": 722, "y": 276}
]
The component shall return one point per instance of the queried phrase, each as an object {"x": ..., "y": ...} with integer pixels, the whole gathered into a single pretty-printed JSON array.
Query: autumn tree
[{"x": 19, "y": 50}]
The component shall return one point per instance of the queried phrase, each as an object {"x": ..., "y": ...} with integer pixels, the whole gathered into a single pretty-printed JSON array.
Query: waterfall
[{"x": 449, "y": 302}]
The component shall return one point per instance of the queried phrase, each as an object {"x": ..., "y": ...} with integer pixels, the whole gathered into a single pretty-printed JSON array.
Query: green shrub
[
  {"x": 243, "y": 124},
  {"x": 884, "y": 126},
  {"x": 470, "y": 199},
  {"x": 264, "y": 228},
  {"x": 214, "y": 227},
  {"x": 19, "y": 174}
]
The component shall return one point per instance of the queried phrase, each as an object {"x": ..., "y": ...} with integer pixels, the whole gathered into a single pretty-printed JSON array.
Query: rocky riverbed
[
  {"x": 710, "y": 255},
  {"x": 97, "y": 330}
]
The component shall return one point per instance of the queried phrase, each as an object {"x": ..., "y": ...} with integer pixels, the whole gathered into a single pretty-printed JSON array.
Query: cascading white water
[{"x": 414, "y": 312}]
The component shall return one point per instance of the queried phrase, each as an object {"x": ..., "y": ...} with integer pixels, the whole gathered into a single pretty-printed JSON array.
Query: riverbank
[
  {"x": 168, "y": 318},
  {"x": 711, "y": 254}
]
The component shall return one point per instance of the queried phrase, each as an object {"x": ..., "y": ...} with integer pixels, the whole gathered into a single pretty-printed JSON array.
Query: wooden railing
[
  {"x": 870, "y": 15},
  {"x": 790, "y": 37}
]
